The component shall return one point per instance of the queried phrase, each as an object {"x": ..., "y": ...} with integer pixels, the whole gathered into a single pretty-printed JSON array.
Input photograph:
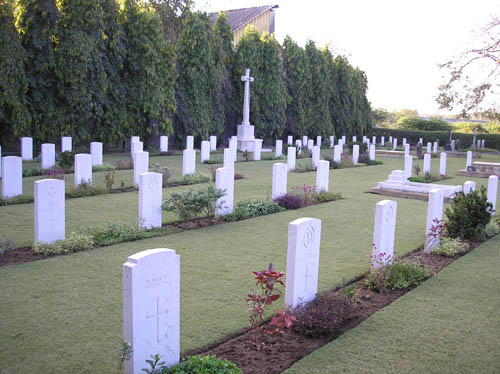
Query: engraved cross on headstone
[
  {"x": 51, "y": 194},
  {"x": 161, "y": 314},
  {"x": 246, "y": 100}
]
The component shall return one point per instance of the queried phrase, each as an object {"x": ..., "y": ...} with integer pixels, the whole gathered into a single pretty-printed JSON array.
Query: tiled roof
[{"x": 238, "y": 18}]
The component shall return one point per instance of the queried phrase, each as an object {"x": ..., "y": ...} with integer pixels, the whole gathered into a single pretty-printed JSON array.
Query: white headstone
[
  {"x": 27, "y": 148},
  {"x": 404, "y": 142},
  {"x": 372, "y": 152},
  {"x": 453, "y": 145},
  {"x": 304, "y": 141},
  {"x": 469, "y": 159},
  {"x": 151, "y": 307},
  {"x": 302, "y": 261},
  {"x": 364, "y": 139},
  {"x": 322, "y": 175},
  {"x": 492, "y": 191},
  {"x": 407, "y": 149},
  {"x": 483, "y": 143},
  {"x": 429, "y": 147},
  {"x": 355, "y": 154},
  {"x": 280, "y": 172},
  {"x": 12, "y": 176},
  {"x": 50, "y": 218},
  {"x": 150, "y": 188},
  {"x": 390, "y": 139},
  {"x": 354, "y": 139},
  {"x": 289, "y": 140},
  {"x": 316, "y": 150},
  {"x": 66, "y": 144},
  {"x": 332, "y": 141},
  {"x": 343, "y": 139},
  {"x": 188, "y": 162},
  {"x": 298, "y": 145},
  {"x": 141, "y": 165},
  {"x": 394, "y": 144},
  {"x": 224, "y": 180},
  {"x": 163, "y": 143},
  {"x": 213, "y": 143},
  {"x": 290, "y": 157},
  {"x": 233, "y": 146},
  {"x": 310, "y": 144},
  {"x": 427, "y": 163},
  {"x": 279, "y": 148},
  {"x": 469, "y": 187},
  {"x": 0, "y": 161},
  {"x": 136, "y": 147},
  {"x": 205, "y": 151},
  {"x": 434, "y": 215},
  {"x": 96, "y": 153},
  {"x": 318, "y": 141},
  {"x": 48, "y": 156},
  {"x": 189, "y": 142},
  {"x": 337, "y": 153},
  {"x": 408, "y": 166},
  {"x": 382, "y": 141},
  {"x": 374, "y": 139},
  {"x": 421, "y": 141},
  {"x": 257, "y": 148},
  {"x": 384, "y": 232},
  {"x": 133, "y": 149},
  {"x": 83, "y": 169},
  {"x": 435, "y": 147},
  {"x": 228, "y": 159},
  {"x": 478, "y": 143},
  {"x": 442, "y": 164},
  {"x": 134, "y": 139}
]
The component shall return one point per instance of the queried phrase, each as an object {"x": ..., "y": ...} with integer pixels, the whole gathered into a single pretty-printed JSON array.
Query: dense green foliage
[
  {"x": 251, "y": 208},
  {"x": 449, "y": 247},
  {"x": 423, "y": 124},
  {"x": 194, "y": 203},
  {"x": 203, "y": 365}
]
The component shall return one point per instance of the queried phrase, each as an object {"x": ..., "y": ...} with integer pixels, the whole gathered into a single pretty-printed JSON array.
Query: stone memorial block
[
  {"x": 280, "y": 172},
  {"x": 213, "y": 143},
  {"x": 310, "y": 144},
  {"x": 322, "y": 175},
  {"x": 150, "y": 188},
  {"x": 468, "y": 160},
  {"x": 289, "y": 140},
  {"x": 469, "y": 187},
  {"x": 442, "y": 163},
  {"x": 96, "y": 153},
  {"x": 189, "y": 142},
  {"x": 66, "y": 144},
  {"x": 257, "y": 149},
  {"x": 50, "y": 218},
  {"x": 332, "y": 141},
  {"x": 427, "y": 163},
  {"x": 408, "y": 170},
  {"x": 382, "y": 141},
  {"x": 355, "y": 154},
  {"x": 374, "y": 139},
  {"x": 205, "y": 151},
  {"x": 136, "y": 147},
  {"x": 163, "y": 143},
  {"x": 372, "y": 152},
  {"x": 48, "y": 156},
  {"x": 12, "y": 176},
  {"x": 290, "y": 158},
  {"x": 404, "y": 142},
  {"x": 151, "y": 307},
  {"x": 304, "y": 141},
  {"x": 384, "y": 231},
  {"x": 354, "y": 139},
  {"x": 394, "y": 144},
  {"x": 141, "y": 165},
  {"x": 302, "y": 261},
  {"x": 27, "y": 148},
  {"x": 228, "y": 159},
  {"x": 434, "y": 212},
  {"x": 407, "y": 149},
  {"x": 188, "y": 162},
  {"x": 492, "y": 191},
  {"x": 435, "y": 147},
  {"x": 224, "y": 180},
  {"x": 278, "y": 152},
  {"x": 315, "y": 156},
  {"x": 83, "y": 169},
  {"x": 134, "y": 139},
  {"x": 337, "y": 153}
]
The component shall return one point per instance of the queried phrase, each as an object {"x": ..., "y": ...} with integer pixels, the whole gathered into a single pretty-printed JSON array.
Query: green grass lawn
[
  {"x": 64, "y": 314},
  {"x": 450, "y": 324}
]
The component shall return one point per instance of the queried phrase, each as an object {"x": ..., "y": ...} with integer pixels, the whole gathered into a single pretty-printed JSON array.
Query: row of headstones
[
  {"x": 151, "y": 279},
  {"x": 408, "y": 166}
]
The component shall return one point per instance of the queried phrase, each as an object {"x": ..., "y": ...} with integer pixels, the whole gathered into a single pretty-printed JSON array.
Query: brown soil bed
[
  {"x": 256, "y": 352},
  {"x": 19, "y": 256}
]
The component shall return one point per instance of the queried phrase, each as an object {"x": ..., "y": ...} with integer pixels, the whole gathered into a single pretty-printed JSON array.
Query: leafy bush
[
  {"x": 86, "y": 189},
  {"x": 202, "y": 365},
  {"x": 193, "y": 203},
  {"x": 103, "y": 167},
  {"x": 468, "y": 214},
  {"x": 124, "y": 164},
  {"x": 249, "y": 209},
  {"x": 114, "y": 232},
  {"x": 365, "y": 159},
  {"x": 194, "y": 179},
  {"x": 491, "y": 229},
  {"x": 6, "y": 244},
  {"x": 109, "y": 180},
  {"x": 423, "y": 124},
  {"x": 449, "y": 247},
  {"x": 324, "y": 315},
  {"x": 326, "y": 196},
  {"x": 427, "y": 178},
  {"x": 165, "y": 172},
  {"x": 211, "y": 162},
  {"x": 55, "y": 173},
  {"x": 74, "y": 243},
  {"x": 289, "y": 201},
  {"x": 35, "y": 172},
  {"x": 21, "y": 199},
  {"x": 303, "y": 168},
  {"x": 66, "y": 160},
  {"x": 363, "y": 147}
]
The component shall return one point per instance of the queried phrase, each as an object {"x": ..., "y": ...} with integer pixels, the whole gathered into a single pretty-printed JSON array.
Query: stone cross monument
[{"x": 246, "y": 138}]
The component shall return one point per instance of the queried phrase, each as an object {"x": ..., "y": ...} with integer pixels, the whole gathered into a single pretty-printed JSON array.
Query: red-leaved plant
[{"x": 435, "y": 231}]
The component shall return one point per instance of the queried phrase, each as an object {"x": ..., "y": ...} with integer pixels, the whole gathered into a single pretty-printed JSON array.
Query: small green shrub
[
  {"x": 66, "y": 160},
  {"x": 211, "y": 162},
  {"x": 290, "y": 201},
  {"x": 202, "y": 365},
  {"x": 109, "y": 180},
  {"x": 193, "y": 203},
  {"x": 74, "y": 243},
  {"x": 427, "y": 178},
  {"x": 124, "y": 164},
  {"x": 491, "y": 229},
  {"x": 86, "y": 189},
  {"x": 326, "y": 196},
  {"x": 103, "y": 167},
  {"x": 450, "y": 247},
  {"x": 35, "y": 172},
  {"x": 303, "y": 167},
  {"x": 6, "y": 244},
  {"x": 165, "y": 172},
  {"x": 251, "y": 208},
  {"x": 114, "y": 232},
  {"x": 21, "y": 199},
  {"x": 468, "y": 214},
  {"x": 195, "y": 178}
]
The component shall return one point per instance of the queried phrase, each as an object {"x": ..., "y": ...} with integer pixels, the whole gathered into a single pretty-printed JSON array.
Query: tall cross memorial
[{"x": 246, "y": 138}]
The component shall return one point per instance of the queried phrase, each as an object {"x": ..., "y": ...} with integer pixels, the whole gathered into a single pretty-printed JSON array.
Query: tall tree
[
  {"x": 172, "y": 14},
  {"x": 38, "y": 27},
  {"x": 14, "y": 117}
]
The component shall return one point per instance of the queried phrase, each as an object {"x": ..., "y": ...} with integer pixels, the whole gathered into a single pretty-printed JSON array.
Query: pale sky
[{"x": 397, "y": 43}]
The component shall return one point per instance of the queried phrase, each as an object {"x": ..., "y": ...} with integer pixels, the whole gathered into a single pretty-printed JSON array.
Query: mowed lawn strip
[{"x": 449, "y": 324}]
